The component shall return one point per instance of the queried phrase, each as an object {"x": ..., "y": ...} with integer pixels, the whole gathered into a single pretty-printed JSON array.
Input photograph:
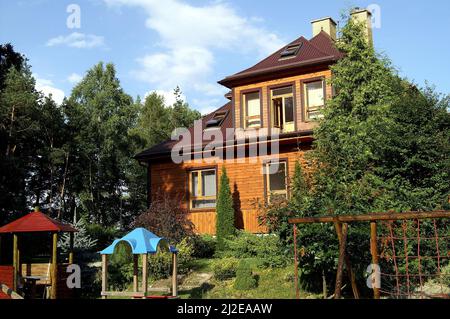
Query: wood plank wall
[{"x": 246, "y": 183}]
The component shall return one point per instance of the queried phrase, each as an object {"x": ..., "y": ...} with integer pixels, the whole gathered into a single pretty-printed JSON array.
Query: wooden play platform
[{"x": 50, "y": 275}]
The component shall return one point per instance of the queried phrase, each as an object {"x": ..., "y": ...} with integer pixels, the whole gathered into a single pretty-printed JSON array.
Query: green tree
[
  {"x": 82, "y": 241},
  {"x": 382, "y": 145},
  {"x": 99, "y": 115},
  {"x": 352, "y": 127},
  {"x": 155, "y": 123},
  {"x": 181, "y": 115},
  {"x": 224, "y": 211},
  {"x": 300, "y": 191},
  {"x": 9, "y": 58},
  {"x": 19, "y": 129}
]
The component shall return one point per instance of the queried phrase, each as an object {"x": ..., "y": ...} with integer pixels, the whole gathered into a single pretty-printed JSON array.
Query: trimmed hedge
[
  {"x": 225, "y": 268},
  {"x": 245, "y": 279}
]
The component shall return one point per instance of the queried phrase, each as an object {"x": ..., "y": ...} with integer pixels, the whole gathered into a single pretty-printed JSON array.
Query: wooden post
[
  {"x": 342, "y": 244},
  {"x": 15, "y": 261},
  {"x": 135, "y": 273},
  {"x": 145, "y": 274},
  {"x": 297, "y": 291},
  {"x": 350, "y": 272},
  {"x": 104, "y": 275},
  {"x": 324, "y": 286},
  {"x": 174, "y": 275},
  {"x": 54, "y": 274},
  {"x": 71, "y": 248},
  {"x": 374, "y": 252}
]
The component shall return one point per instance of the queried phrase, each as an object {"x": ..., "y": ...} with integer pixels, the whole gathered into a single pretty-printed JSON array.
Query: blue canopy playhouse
[{"x": 141, "y": 242}]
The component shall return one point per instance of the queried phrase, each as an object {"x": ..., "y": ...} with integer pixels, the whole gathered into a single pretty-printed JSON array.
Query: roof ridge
[
  {"x": 305, "y": 44},
  {"x": 272, "y": 54},
  {"x": 321, "y": 33}
]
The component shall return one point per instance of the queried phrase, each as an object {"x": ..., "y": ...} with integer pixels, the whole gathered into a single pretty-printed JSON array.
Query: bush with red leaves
[{"x": 166, "y": 218}]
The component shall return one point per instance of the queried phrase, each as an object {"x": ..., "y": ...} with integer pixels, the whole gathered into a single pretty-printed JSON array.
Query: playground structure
[
  {"x": 403, "y": 280},
  {"x": 141, "y": 243},
  {"x": 14, "y": 278}
]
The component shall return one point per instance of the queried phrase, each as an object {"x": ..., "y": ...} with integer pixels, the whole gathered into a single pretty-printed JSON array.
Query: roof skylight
[
  {"x": 216, "y": 120},
  {"x": 290, "y": 51}
]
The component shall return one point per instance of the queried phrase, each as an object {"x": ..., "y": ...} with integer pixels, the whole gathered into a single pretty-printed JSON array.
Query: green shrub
[
  {"x": 121, "y": 267},
  {"x": 120, "y": 276},
  {"x": 160, "y": 264},
  {"x": 225, "y": 268},
  {"x": 274, "y": 261},
  {"x": 247, "y": 245},
  {"x": 245, "y": 279},
  {"x": 204, "y": 246}
]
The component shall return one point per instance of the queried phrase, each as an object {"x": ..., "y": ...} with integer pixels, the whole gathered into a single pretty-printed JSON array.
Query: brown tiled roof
[
  {"x": 319, "y": 49},
  {"x": 324, "y": 43},
  {"x": 165, "y": 147}
]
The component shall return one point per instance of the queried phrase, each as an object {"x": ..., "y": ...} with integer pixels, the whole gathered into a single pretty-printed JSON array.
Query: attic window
[
  {"x": 216, "y": 120},
  {"x": 290, "y": 51}
]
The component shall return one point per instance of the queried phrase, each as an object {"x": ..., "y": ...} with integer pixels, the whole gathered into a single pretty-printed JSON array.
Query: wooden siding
[
  {"x": 246, "y": 183},
  {"x": 264, "y": 87}
]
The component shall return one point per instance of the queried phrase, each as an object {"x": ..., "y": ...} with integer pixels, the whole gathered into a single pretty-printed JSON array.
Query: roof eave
[
  {"x": 142, "y": 157},
  {"x": 230, "y": 81}
]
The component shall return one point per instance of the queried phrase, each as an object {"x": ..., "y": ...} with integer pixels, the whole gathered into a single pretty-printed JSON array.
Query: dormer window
[
  {"x": 290, "y": 51},
  {"x": 216, "y": 121}
]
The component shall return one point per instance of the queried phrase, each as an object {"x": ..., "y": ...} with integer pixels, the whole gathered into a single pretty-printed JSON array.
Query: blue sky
[{"x": 158, "y": 44}]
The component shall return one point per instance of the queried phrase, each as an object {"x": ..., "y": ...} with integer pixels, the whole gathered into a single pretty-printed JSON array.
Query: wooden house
[{"x": 281, "y": 95}]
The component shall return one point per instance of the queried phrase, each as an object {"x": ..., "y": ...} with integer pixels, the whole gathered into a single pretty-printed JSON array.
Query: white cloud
[
  {"x": 210, "y": 89},
  {"x": 189, "y": 35},
  {"x": 180, "y": 66},
  {"x": 169, "y": 97},
  {"x": 78, "y": 40},
  {"x": 74, "y": 78},
  {"x": 47, "y": 88},
  {"x": 206, "y": 106}
]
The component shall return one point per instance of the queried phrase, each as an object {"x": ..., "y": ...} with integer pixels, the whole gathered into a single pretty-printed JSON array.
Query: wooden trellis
[{"x": 375, "y": 219}]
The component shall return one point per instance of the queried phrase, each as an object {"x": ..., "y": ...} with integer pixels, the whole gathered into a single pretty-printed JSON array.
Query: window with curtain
[
  {"x": 252, "y": 110},
  {"x": 276, "y": 180},
  {"x": 314, "y": 99},
  {"x": 203, "y": 189}
]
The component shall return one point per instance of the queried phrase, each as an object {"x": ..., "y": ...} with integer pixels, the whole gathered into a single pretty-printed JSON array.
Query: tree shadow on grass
[{"x": 198, "y": 292}]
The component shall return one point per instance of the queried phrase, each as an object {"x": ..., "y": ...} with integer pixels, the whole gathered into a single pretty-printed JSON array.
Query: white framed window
[
  {"x": 283, "y": 109},
  {"x": 276, "y": 182},
  {"x": 252, "y": 110},
  {"x": 202, "y": 189},
  {"x": 314, "y": 99}
]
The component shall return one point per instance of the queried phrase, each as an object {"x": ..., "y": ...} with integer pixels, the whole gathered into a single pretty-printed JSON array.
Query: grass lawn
[{"x": 272, "y": 283}]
